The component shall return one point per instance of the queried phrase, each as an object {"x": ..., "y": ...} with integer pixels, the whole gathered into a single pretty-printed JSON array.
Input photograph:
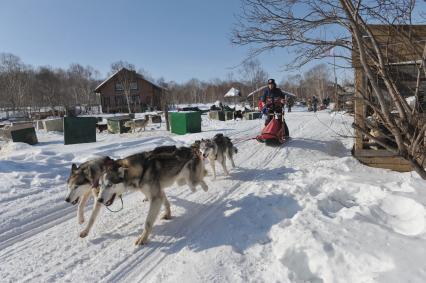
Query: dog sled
[{"x": 276, "y": 131}]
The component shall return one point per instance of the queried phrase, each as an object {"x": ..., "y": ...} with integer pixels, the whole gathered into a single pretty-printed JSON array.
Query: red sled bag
[{"x": 272, "y": 133}]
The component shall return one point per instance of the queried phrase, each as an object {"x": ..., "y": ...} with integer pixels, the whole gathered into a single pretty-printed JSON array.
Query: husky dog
[
  {"x": 139, "y": 123},
  {"x": 151, "y": 175},
  {"x": 217, "y": 149},
  {"x": 82, "y": 182}
]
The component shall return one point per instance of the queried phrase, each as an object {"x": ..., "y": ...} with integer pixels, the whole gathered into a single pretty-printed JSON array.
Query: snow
[
  {"x": 305, "y": 212},
  {"x": 232, "y": 92}
]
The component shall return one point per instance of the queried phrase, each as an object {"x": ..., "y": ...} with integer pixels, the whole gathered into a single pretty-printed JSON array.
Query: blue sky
[{"x": 177, "y": 40}]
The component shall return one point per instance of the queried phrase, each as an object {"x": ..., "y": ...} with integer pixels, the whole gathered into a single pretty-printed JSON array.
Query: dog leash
[{"x": 119, "y": 209}]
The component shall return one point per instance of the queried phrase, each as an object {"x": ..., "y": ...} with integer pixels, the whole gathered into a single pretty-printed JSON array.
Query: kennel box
[
  {"x": 229, "y": 115},
  {"x": 154, "y": 119},
  {"x": 19, "y": 132},
  {"x": 26, "y": 135},
  {"x": 79, "y": 130},
  {"x": 185, "y": 122},
  {"x": 217, "y": 115},
  {"x": 53, "y": 125},
  {"x": 116, "y": 125},
  {"x": 252, "y": 115}
]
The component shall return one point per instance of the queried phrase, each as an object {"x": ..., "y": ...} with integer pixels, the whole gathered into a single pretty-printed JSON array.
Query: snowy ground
[{"x": 305, "y": 212}]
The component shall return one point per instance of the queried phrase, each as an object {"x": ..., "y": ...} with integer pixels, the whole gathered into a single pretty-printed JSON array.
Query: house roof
[
  {"x": 233, "y": 92},
  {"x": 139, "y": 76}
]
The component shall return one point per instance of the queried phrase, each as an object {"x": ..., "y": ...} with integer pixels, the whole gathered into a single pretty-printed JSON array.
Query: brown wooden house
[
  {"x": 142, "y": 94},
  {"x": 403, "y": 63}
]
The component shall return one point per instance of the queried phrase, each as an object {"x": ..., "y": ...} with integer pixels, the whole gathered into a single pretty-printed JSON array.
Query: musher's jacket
[{"x": 273, "y": 99}]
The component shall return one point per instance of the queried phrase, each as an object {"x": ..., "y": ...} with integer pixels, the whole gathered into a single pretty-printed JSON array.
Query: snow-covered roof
[{"x": 233, "y": 92}]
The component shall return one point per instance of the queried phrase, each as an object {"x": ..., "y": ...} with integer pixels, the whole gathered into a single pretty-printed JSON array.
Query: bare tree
[
  {"x": 126, "y": 76},
  {"x": 48, "y": 86},
  {"x": 301, "y": 26},
  {"x": 316, "y": 81},
  {"x": 14, "y": 81},
  {"x": 253, "y": 75}
]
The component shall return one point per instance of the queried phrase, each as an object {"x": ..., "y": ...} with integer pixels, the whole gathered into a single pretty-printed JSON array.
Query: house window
[
  {"x": 119, "y": 87},
  {"x": 134, "y": 86}
]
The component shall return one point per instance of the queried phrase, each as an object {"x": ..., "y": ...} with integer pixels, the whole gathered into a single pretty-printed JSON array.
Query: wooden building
[
  {"x": 142, "y": 94},
  {"x": 403, "y": 63}
]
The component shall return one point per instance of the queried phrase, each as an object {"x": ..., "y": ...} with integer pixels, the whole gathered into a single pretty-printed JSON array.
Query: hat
[{"x": 271, "y": 81}]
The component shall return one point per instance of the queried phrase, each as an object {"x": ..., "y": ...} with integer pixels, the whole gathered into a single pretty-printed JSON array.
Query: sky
[{"x": 176, "y": 40}]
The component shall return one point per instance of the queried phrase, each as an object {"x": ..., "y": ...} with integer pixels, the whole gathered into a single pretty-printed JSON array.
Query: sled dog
[
  {"x": 83, "y": 182},
  {"x": 134, "y": 124},
  {"x": 151, "y": 175},
  {"x": 218, "y": 149}
]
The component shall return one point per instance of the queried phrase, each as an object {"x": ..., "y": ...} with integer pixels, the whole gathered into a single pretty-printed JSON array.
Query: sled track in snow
[
  {"x": 149, "y": 256},
  {"x": 31, "y": 234},
  {"x": 29, "y": 229},
  {"x": 19, "y": 238}
]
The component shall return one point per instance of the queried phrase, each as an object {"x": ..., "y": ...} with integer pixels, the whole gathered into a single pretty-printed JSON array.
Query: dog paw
[
  {"x": 141, "y": 241},
  {"x": 84, "y": 233},
  {"x": 166, "y": 216}
]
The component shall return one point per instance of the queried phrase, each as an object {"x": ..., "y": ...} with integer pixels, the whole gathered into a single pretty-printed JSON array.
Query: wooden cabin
[
  {"x": 403, "y": 62},
  {"x": 143, "y": 95}
]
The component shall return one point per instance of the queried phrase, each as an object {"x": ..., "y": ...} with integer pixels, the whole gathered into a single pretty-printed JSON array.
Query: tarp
[{"x": 233, "y": 92}]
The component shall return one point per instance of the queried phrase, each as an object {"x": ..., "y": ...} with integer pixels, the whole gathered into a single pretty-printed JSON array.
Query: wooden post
[
  {"x": 166, "y": 116},
  {"x": 359, "y": 108}
]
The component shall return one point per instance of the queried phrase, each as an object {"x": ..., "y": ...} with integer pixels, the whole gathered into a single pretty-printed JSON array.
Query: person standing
[{"x": 315, "y": 103}]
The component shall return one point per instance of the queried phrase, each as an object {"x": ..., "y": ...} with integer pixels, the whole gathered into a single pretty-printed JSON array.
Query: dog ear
[
  {"x": 73, "y": 167},
  {"x": 109, "y": 162}
]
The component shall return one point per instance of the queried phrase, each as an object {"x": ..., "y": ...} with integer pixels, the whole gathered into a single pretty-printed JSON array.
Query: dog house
[
  {"x": 252, "y": 115},
  {"x": 216, "y": 115},
  {"x": 79, "y": 130},
  {"x": 20, "y": 132},
  {"x": 116, "y": 125},
  {"x": 185, "y": 122}
]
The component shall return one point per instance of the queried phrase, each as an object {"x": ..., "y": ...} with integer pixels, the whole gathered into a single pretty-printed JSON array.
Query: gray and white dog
[
  {"x": 134, "y": 124},
  {"x": 151, "y": 175},
  {"x": 83, "y": 182},
  {"x": 218, "y": 149}
]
